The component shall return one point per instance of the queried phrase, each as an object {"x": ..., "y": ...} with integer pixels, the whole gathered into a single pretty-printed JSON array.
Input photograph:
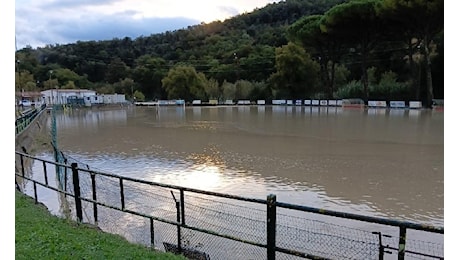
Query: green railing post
[
  {"x": 271, "y": 227},
  {"x": 76, "y": 188}
]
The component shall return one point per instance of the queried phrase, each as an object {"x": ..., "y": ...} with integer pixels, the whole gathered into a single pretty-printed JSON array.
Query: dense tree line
[{"x": 370, "y": 49}]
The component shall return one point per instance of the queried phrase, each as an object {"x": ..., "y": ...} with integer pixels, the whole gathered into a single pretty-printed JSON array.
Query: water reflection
[
  {"x": 206, "y": 172},
  {"x": 375, "y": 162}
]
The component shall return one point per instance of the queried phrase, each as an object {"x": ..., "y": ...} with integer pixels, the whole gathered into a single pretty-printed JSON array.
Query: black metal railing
[{"x": 205, "y": 225}]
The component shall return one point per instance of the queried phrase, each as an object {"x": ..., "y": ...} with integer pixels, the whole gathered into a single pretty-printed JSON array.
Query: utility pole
[
  {"x": 237, "y": 62},
  {"x": 19, "y": 77},
  {"x": 52, "y": 101}
]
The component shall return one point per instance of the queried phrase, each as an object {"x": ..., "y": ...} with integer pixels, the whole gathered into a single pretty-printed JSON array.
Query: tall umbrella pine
[
  {"x": 420, "y": 21},
  {"x": 357, "y": 24},
  {"x": 325, "y": 47}
]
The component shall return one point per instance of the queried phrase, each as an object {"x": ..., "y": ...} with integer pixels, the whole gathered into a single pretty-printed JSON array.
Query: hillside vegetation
[{"x": 293, "y": 49}]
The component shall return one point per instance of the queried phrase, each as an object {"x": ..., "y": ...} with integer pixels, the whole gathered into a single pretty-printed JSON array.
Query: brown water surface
[{"x": 387, "y": 163}]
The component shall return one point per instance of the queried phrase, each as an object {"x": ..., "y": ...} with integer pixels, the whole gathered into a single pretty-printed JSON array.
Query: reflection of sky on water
[{"x": 208, "y": 173}]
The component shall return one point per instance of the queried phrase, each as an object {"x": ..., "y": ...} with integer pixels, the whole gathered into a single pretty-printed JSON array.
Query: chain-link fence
[{"x": 208, "y": 225}]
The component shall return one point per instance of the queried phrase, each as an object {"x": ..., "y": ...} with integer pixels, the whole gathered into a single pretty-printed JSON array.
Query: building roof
[
  {"x": 69, "y": 90},
  {"x": 28, "y": 94}
]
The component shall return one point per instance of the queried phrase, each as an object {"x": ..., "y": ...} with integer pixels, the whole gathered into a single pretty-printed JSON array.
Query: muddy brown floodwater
[{"x": 378, "y": 162}]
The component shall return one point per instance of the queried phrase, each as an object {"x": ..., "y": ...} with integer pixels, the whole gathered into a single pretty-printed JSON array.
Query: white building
[
  {"x": 81, "y": 96},
  {"x": 60, "y": 96},
  {"x": 113, "y": 98}
]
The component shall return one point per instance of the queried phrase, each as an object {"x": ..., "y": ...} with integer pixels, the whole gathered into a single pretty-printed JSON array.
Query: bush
[
  {"x": 353, "y": 89},
  {"x": 389, "y": 89}
]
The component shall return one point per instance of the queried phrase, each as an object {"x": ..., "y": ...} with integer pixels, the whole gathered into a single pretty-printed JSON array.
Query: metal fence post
[
  {"x": 182, "y": 206},
  {"x": 178, "y": 225},
  {"x": 76, "y": 188},
  {"x": 93, "y": 185},
  {"x": 45, "y": 173},
  {"x": 179, "y": 238},
  {"x": 402, "y": 243},
  {"x": 152, "y": 234},
  {"x": 122, "y": 194},
  {"x": 381, "y": 247},
  {"x": 65, "y": 180},
  {"x": 271, "y": 227},
  {"x": 35, "y": 193},
  {"x": 22, "y": 165}
]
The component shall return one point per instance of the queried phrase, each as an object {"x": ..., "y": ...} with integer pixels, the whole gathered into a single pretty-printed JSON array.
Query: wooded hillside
[{"x": 371, "y": 49}]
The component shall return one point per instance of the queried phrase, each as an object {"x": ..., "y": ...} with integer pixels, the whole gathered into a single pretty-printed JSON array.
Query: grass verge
[{"x": 41, "y": 235}]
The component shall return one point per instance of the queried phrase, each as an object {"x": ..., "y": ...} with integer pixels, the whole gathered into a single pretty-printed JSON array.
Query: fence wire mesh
[
  {"x": 221, "y": 218},
  {"x": 430, "y": 248},
  {"x": 323, "y": 239},
  {"x": 220, "y": 215}
]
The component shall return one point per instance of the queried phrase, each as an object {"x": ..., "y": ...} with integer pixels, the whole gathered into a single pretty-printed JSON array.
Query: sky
[{"x": 42, "y": 22}]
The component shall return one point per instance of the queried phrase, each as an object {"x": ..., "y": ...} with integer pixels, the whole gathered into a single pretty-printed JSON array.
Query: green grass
[{"x": 41, "y": 235}]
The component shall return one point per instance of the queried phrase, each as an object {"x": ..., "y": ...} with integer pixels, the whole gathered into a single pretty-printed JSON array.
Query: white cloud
[{"x": 38, "y": 23}]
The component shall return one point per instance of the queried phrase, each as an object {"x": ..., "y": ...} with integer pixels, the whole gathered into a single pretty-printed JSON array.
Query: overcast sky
[{"x": 41, "y": 22}]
